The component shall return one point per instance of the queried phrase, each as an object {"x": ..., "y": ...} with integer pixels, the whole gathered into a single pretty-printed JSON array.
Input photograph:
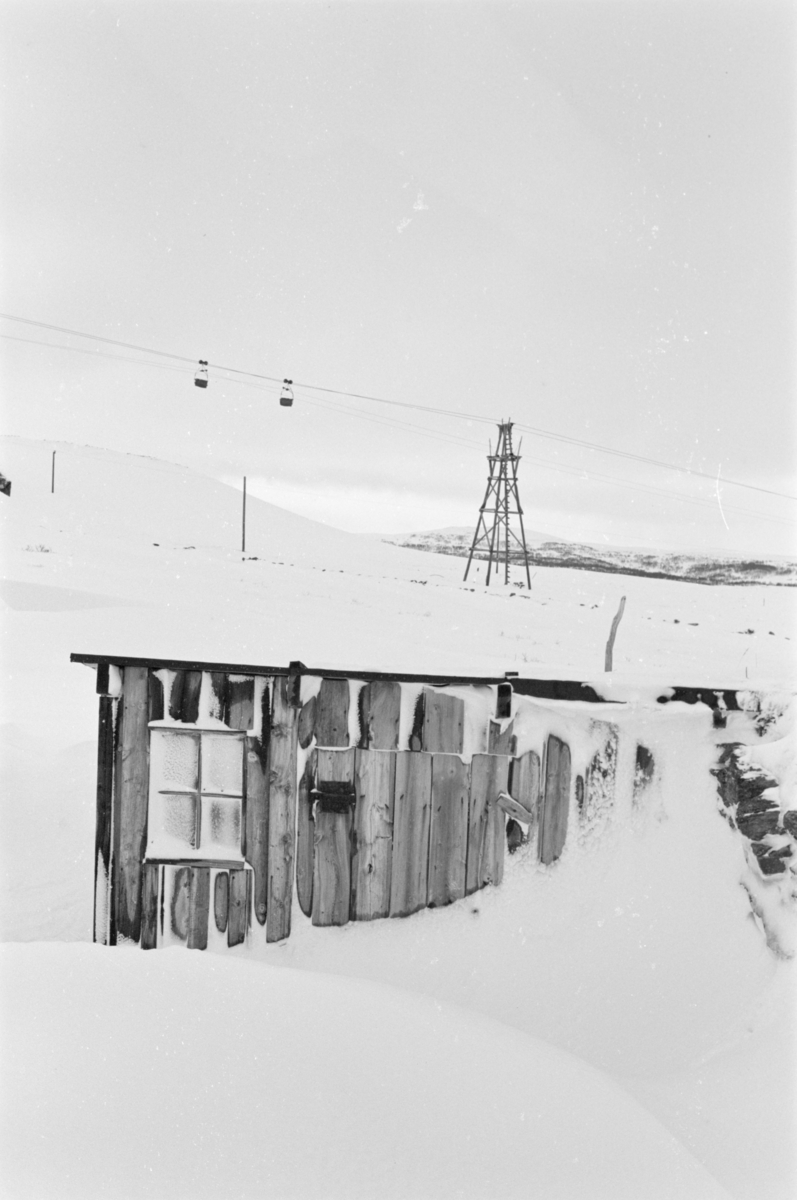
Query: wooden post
[
  {"x": 281, "y": 811},
  {"x": 305, "y": 837},
  {"x": 380, "y": 712},
  {"x": 256, "y": 820},
  {"x": 102, "y": 841},
  {"x": 332, "y": 846},
  {"x": 243, "y": 522},
  {"x": 612, "y": 635},
  {"x": 448, "y": 833},
  {"x": 556, "y": 800},
  {"x": 443, "y": 723},
  {"x": 486, "y": 824},
  {"x": 130, "y": 816},
  {"x": 374, "y": 778},
  {"x": 411, "y": 812},
  {"x": 332, "y": 713}
]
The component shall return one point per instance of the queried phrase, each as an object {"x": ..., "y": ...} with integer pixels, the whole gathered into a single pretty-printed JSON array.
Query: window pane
[
  {"x": 221, "y": 827},
  {"x": 174, "y": 761},
  {"x": 172, "y": 824},
  {"x": 222, "y": 764}
]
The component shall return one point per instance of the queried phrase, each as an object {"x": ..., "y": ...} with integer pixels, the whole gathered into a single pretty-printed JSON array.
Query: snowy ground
[{"x": 631, "y": 973}]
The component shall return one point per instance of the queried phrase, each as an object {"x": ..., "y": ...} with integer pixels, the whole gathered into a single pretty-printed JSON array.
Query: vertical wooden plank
[
  {"x": 102, "y": 839},
  {"x": 240, "y": 707},
  {"x": 184, "y": 699},
  {"x": 238, "y": 911},
  {"x": 524, "y": 786},
  {"x": 307, "y": 723},
  {"x": 281, "y": 811},
  {"x": 180, "y": 903},
  {"x": 305, "y": 835},
  {"x": 501, "y": 741},
  {"x": 130, "y": 817},
  {"x": 443, "y": 723},
  {"x": 411, "y": 812},
  {"x": 374, "y": 780},
  {"x": 156, "y": 709},
  {"x": 149, "y": 906},
  {"x": 198, "y": 908},
  {"x": 448, "y": 831},
  {"x": 332, "y": 843},
  {"x": 556, "y": 800},
  {"x": 380, "y": 712},
  {"x": 221, "y": 900},
  {"x": 332, "y": 713},
  {"x": 256, "y": 819},
  {"x": 219, "y": 703},
  {"x": 489, "y": 775}
]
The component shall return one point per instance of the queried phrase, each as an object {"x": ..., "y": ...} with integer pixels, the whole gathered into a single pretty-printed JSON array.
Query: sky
[{"x": 577, "y": 216}]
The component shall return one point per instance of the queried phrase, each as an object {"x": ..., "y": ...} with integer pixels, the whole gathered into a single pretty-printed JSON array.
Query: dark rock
[
  {"x": 790, "y": 821},
  {"x": 771, "y": 861},
  {"x": 757, "y": 817}
]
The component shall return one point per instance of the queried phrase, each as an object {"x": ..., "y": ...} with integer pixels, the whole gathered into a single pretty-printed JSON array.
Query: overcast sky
[{"x": 576, "y": 215}]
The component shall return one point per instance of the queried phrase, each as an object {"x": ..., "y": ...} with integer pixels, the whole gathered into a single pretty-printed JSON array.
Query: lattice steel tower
[{"x": 501, "y": 501}]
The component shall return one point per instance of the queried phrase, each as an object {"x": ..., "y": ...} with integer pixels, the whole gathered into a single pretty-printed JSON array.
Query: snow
[
  {"x": 624, "y": 991},
  {"x": 220, "y": 1077}
]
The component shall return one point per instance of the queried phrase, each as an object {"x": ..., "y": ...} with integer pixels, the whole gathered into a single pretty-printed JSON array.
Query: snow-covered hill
[
  {"x": 638, "y": 953},
  {"x": 545, "y": 551}
]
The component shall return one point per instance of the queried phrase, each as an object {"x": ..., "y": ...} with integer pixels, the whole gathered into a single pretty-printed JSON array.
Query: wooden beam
[
  {"x": 130, "y": 817},
  {"x": 102, "y": 839},
  {"x": 256, "y": 819},
  {"x": 305, "y": 836},
  {"x": 332, "y": 845},
  {"x": 332, "y": 713},
  {"x": 380, "y": 712},
  {"x": 448, "y": 832},
  {"x": 556, "y": 800},
  {"x": 374, "y": 780},
  {"x": 411, "y": 813},
  {"x": 443, "y": 723},
  {"x": 515, "y": 809},
  {"x": 489, "y": 774},
  {"x": 281, "y": 811},
  {"x": 149, "y": 906}
]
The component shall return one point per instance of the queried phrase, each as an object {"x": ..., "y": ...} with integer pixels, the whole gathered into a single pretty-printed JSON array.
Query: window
[{"x": 195, "y": 795}]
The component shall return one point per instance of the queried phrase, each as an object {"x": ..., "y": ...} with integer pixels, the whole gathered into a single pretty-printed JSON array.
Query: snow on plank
[{"x": 130, "y": 825}]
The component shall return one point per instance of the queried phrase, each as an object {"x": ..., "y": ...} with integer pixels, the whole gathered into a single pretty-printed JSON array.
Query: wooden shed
[{"x": 225, "y": 791}]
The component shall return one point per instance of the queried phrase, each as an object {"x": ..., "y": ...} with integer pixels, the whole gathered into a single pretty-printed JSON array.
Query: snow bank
[{"x": 135, "y": 1075}]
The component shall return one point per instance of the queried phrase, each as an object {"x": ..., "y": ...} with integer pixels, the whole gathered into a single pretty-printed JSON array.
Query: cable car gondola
[
  {"x": 201, "y": 377},
  {"x": 286, "y": 396}
]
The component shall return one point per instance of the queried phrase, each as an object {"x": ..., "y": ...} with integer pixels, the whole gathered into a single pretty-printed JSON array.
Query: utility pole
[
  {"x": 52, "y": 476},
  {"x": 501, "y": 502},
  {"x": 243, "y": 524}
]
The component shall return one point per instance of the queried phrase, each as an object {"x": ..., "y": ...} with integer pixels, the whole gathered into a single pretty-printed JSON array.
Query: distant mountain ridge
[{"x": 550, "y": 552}]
